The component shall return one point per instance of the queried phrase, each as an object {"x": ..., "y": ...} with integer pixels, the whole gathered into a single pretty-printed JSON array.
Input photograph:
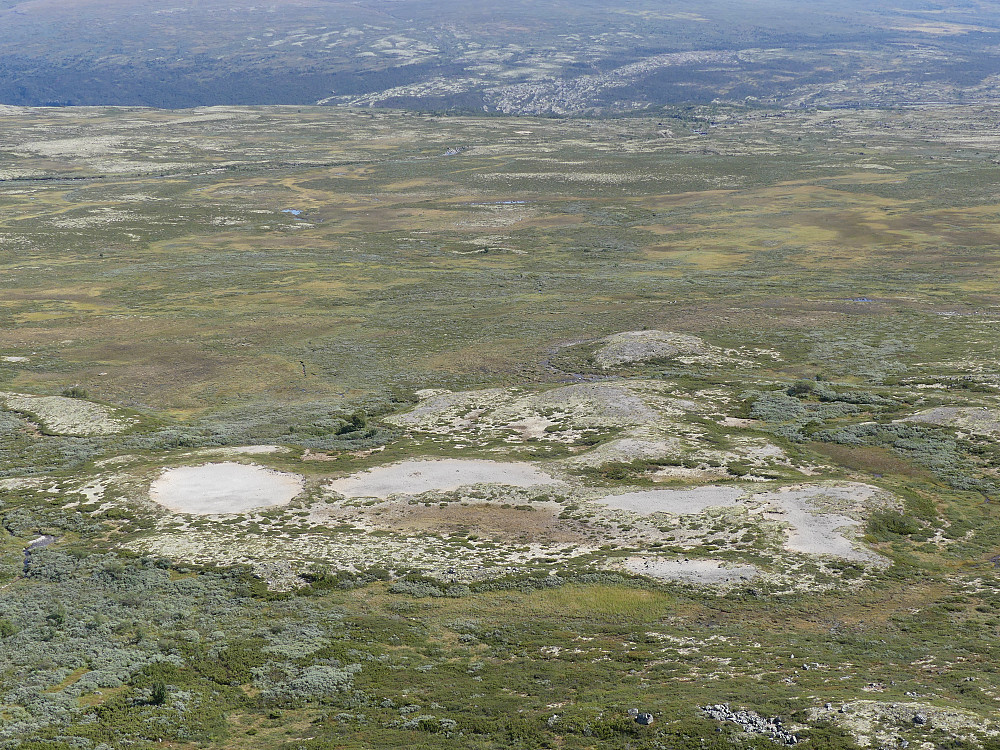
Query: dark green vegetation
[
  {"x": 520, "y": 57},
  {"x": 122, "y": 651},
  {"x": 843, "y": 264}
]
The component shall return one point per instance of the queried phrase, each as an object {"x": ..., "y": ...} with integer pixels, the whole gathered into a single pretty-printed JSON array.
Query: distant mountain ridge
[{"x": 548, "y": 57}]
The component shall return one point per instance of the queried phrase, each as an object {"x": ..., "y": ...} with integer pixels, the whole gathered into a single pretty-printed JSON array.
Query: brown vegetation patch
[{"x": 879, "y": 461}]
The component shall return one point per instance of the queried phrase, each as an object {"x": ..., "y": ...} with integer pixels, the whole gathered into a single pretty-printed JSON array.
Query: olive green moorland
[{"x": 366, "y": 429}]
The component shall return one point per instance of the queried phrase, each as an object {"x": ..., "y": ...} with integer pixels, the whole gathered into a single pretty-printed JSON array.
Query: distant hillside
[{"x": 521, "y": 56}]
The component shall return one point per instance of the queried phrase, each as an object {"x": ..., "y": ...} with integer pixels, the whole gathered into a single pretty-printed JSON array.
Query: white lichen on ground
[
  {"x": 61, "y": 415},
  {"x": 975, "y": 419},
  {"x": 631, "y": 347},
  {"x": 645, "y": 419},
  {"x": 822, "y": 519},
  {"x": 877, "y": 723},
  {"x": 699, "y": 572}
]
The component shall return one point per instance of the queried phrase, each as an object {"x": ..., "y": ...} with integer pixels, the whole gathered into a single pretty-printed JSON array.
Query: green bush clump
[
  {"x": 885, "y": 525},
  {"x": 416, "y": 588},
  {"x": 777, "y": 407},
  {"x": 930, "y": 448},
  {"x": 801, "y": 388}
]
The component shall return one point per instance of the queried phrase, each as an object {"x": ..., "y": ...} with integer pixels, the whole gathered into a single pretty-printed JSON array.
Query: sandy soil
[
  {"x": 443, "y": 475},
  {"x": 816, "y": 532},
  {"x": 704, "y": 572},
  {"x": 221, "y": 488},
  {"x": 822, "y": 518},
  {"x": 675, "y": 502}
]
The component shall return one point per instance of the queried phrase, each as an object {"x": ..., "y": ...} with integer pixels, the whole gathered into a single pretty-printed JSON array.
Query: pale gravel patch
[
  {"x": 578, "y": 406},
  {"x": 699, "y": 572},
  {"x": 976, "y": 419},
  {"x": 79, "y": 147},
  {"x": 816, "y": 532},
  {"x": 349, "y": 551},
  {"x": 641, "y": 346},
  {"x": 97, "y": 217},
  {"x": 440, "y": 475},
  {"x": 93, "y": 491},
  {"x": 223, "y": 488},
  {"x": 21, "y": 483},
  {"x": 675, "y": 502},
  {"x": 702, "y": 473},
  {"x": 625, "y": 450},
  {"x": 68, "y": 416},
  {"x": 583, "y": 405},
  {"x": 823, "y": 519},
  {"x": 243, "y": 450},
  {"x": 873, "y": 723}
]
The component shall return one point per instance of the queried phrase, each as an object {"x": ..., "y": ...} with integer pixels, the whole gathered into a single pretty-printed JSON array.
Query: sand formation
[{"x": 223, "y": 488}]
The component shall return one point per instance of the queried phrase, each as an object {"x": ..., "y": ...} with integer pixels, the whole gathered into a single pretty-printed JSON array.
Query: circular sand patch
[{"x": 213, "y": 489}]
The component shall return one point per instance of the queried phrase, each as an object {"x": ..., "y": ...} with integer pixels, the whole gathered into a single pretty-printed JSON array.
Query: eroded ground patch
[
  {"x": 441, "y": 475},
  {"x": 223, "y": 488}
]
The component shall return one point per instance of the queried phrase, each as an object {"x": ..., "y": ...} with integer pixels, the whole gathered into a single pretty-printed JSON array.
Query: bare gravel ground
[
  {"x": 675, "y": 502},
  {"x": 701, "y": 572},
  {"x": 223, "y": 488},
  {"x": 822, "y": 518},
  {"x": 874, "y": 723},
  {"x": 416, "y": 477},
  {"x": 979, "y": 420},
  {"x": 641, "y": 346}
]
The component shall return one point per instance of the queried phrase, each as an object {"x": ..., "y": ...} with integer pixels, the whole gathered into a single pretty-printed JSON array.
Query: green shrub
[
  {"x": 800, "y": 388},
  {"x": 885, "y": 525},
  {"x": 159, "y": 694}
]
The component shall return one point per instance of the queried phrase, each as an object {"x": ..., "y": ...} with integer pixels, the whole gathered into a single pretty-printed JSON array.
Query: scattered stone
[{"x": 752, "y": 722}]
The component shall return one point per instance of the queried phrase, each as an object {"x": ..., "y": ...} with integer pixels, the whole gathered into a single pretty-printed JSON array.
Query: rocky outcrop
[{"x": 752, "y": 722}]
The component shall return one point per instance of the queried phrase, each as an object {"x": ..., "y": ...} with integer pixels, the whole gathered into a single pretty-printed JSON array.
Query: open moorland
[{"x": 332, "y": 428}]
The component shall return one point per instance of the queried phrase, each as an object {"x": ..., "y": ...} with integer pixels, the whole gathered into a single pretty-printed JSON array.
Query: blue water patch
[{"x": 293, "y": 211}]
